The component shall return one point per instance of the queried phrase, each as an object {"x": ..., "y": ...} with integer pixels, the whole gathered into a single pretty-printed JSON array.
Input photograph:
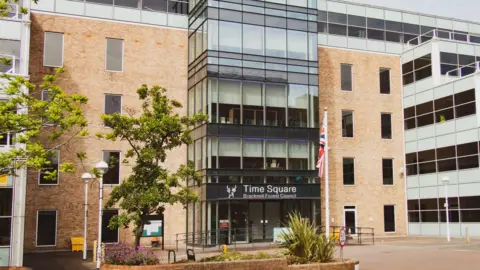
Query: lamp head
[
  {"x": 102, "y": 166},
  {"x": 86, "y": 176}
]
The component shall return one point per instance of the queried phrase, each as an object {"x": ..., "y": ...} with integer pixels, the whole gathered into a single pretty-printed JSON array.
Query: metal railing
[
  {"x": 256, "y": 235},
  {"x": 464, "y": 70},
  {"x": 442, "y": 34},
  {"x": 10, "y": 66}
]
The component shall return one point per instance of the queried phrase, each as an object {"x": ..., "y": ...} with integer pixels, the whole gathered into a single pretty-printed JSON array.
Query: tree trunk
[{"x": 138, "y": 233}]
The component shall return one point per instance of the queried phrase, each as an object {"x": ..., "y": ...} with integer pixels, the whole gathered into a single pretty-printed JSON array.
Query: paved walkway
[{"x": 391, "y": 254}]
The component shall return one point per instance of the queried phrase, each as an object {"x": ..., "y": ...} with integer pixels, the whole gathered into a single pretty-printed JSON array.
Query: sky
[{"x": 459, "y": 9}]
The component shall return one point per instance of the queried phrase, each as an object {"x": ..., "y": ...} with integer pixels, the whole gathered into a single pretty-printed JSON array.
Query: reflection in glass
[
  {"x": 298, "y": 155},
  {"x": 252, "y": 104},
  {"x": 253, "y": 39},
  {"x": 253, "y": 154},
  {"x": 212, "y": 35},
  {"x": 275, "y": 104},
  {"x": 297, "y": 105},
  {"x": 276, "y": 154},
  {"x": 276, "y": 42},
  {"x": 229, "y": 102},
  {"x": 213, "y": 99},
  {"x": 230, "y": 37},
  {"x": 229, "y": 152}
]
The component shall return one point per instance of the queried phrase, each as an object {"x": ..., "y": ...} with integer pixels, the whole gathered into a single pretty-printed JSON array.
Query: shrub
[
  {"x": 304, "y": 243},
  {"x": 122, "y": 254}
]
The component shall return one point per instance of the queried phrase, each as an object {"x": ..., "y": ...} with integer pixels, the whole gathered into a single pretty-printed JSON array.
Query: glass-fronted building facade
[{"x": 253, "y": 70}]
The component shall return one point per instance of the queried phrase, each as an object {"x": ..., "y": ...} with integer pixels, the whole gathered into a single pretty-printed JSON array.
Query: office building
[{"x": 399, "y": 88}]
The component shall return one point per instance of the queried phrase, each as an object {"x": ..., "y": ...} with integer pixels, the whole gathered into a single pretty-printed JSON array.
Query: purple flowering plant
[{"x": 122, "y": 254}]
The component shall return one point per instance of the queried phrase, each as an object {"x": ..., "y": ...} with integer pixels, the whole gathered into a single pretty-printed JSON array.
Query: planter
[
  {"x": 347, "y": 264},
  {"x": 268, "y": 264}
]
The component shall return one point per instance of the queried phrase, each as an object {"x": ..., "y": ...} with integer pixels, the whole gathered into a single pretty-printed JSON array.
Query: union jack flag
[{"x": 321, "y": 150}]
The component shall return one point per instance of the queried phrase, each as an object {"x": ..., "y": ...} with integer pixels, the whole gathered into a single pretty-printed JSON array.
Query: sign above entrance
[{"x": 261, "y": 192}]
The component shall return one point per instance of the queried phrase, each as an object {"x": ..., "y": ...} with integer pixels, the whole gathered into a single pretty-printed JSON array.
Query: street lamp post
[
  {"x": 102, "y": 167},
  {"x": 445, "y": 181},
  {"x": 85, "y": 177}
]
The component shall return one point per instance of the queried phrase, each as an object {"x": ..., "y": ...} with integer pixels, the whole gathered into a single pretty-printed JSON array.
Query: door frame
[{"x": 354, "y": 210}]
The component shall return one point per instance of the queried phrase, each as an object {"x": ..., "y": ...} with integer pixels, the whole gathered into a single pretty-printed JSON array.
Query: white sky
[{"x": 460, "y": 9}]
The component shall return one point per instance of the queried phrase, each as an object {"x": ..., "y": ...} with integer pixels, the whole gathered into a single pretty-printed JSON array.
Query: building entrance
[{"x": 264, "y": 216}]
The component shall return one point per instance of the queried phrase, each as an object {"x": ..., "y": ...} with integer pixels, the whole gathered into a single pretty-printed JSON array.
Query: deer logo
[{"x": 231, "y": 191}]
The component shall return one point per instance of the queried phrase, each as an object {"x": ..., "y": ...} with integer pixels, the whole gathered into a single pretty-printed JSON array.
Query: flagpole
[{"x": 327, "y": 197}]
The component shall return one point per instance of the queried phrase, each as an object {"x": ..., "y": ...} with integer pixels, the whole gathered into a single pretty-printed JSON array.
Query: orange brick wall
[
  {"x": 369, "y": 195},
  {"x": 152, "y": 55}
]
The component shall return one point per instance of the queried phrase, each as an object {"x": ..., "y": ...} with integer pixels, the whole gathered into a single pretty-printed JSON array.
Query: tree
[
  {"x": 7, "y": 6},
  {"x": 42, "y": 118},
  {"x": 150, "y": 134}
]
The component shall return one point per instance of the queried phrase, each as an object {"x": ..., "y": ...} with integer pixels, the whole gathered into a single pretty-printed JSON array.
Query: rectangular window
[
  {"x": 109, "y": 235},
  {"x": 347, "y": 124},
  {"x": 346, "y": 77},
  {"x": 348, "y": 171},
  {"x": 6, "y": 196},
  {"x": 384, "y": 81},
  {"x": 389, "y": 218},
  {"x": 54, "y": 158},
  {"x": 114, "y": 55},
  {"x": 53, "y": 49},
  {"x": 387, "y": 171},
  {"x": 386, "y": 125},
  {"x": 46, "y": 228},
  {"x": 112, "y": 175},
  {"x": 113, "y": 104}
]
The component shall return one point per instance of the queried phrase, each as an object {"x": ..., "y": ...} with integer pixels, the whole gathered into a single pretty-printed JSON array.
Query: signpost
[{"x": 343, "y": 241}]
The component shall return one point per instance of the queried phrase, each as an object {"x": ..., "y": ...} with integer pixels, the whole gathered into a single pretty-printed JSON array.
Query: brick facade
[
  {"x": 152, "y": 55},
  {"x": 369, "y": 195}
]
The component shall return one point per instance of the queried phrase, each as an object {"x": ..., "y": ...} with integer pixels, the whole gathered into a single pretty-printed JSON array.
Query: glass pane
[
  {"x": 356, "y": 32},
  {"x": 276, "y": 42},
  {"x": 276, "y": 103},
  {"x": 46, "y": 228},
  {"x": 297, "y": 45},
  {"x": 376, "y": 34},
  {"x": 276, "y": 154},
  {"x": 346, "y": 77},
  {"x": 113, "y": 104},
  {"x": 387, "y": 171},
  {"x": 337, "y": 29},
  {"x": 386, "y": 126},
  {"x": 127, "y": 3},
  {"x": 253, "y": 39},
  {"x": 385, "y": 81},
  {"x": 229, "y": 152},
  {"x": 112, "y": 175},
  {"x": 6, "y": 202},
  {"x": 53, "y": 49},
  {"x": 230, "y": 37},
  {"x": 465, "y": 97},
  {"x": 154, "y": 5},
  {"x": 253, "y": 154},
  {"x": 347, "y": 124},
  {"x": 109, "y": 235},
  {"x": 337, "y": 17},
  {"x": 229, "y": 102},
  {"x": 348, "y": 171},
  {"x": 356, "y": 20},
  {"x": 213, "y": 35},
  {"x": 298, "y": 105},
  {"x": 298, "y": 155},
  {"x": 252, "y": 104},
  {"x": 114, "y": 54}
]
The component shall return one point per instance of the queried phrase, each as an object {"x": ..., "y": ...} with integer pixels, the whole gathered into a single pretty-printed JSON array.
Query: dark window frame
[
  {"x": 348, "y": 85},
  {"x": 388, "y": 173},
  {"x": 345, "y": 131},
  {"x": 386, "y": 129},
  {"x": 344, "y": 173},
  {"x": 385, "y": 86}
]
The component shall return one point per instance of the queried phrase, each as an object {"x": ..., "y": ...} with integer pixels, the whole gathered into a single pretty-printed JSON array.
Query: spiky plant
[{"x": 304, "y": 244}]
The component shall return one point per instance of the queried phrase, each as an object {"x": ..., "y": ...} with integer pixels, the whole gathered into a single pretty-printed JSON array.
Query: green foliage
[
  {"x": 237, "y": 256},
  {"x": 151, "y": 134},
  {"x": 304, "y": 243},
  {"x": 37, "y": 123}
]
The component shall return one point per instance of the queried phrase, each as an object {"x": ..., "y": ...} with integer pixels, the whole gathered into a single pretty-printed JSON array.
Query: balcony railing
[
  {"x": 464, "y": 70},
  {"x": 442, "y": 34},
  {"x": 8, "y": 64}
]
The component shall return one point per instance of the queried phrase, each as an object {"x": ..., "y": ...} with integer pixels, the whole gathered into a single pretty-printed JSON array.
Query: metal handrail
[
  {"x": 435, "y": 33},
  {"x": 13, "y": 67},
  {"x": 475, "y": 65}
]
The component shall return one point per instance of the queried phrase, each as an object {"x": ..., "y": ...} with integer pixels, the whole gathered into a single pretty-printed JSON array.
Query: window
[
  {"x": 386, "y": 125},
  {"x": 417, "y": 69},
  {"x": 113, "y": 104},
  {"x": 253, "y": 39},
  {"x": 346, "y": 77},
  {"x": 229, "y": 101},
  {"x": 112, "y": 175},
  {"x": 347, "y": 124},
  {"x": 6, "y": 139},
  {"x": 387, "y": 171},
  {"x": 384, "y": 81},
  {"x": 6, "y": 196},
  {"x": 252, "y": 104},
  {"x": 114, "y": 55},
  {"x": 389, "y": 218},
  {"x": 109, "y": 235},
  {"x": 348, "y": 171},
  {"x": 298, "y": 105},
  {"x": 297, "y": 44},
  {"x": 46, "y": 228},
  {"x": 276, "y": 42},
  {"x": 276, "y": 104},
  {"x": 230, "y": 37},
  {"x": 53, "y": 49},
  {"x": 229, "y": 153},
  {"x": 54, "y": 158}
]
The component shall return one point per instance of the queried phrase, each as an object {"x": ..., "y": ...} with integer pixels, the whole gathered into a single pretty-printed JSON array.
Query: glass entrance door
[
  {"x": 350, "y": 219},
  {"x": 255, "y": 223},
  {"x": 264, "y": 216},
  {"x": 272, "y": 219},
  {"x": 239, "y": 216}
]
